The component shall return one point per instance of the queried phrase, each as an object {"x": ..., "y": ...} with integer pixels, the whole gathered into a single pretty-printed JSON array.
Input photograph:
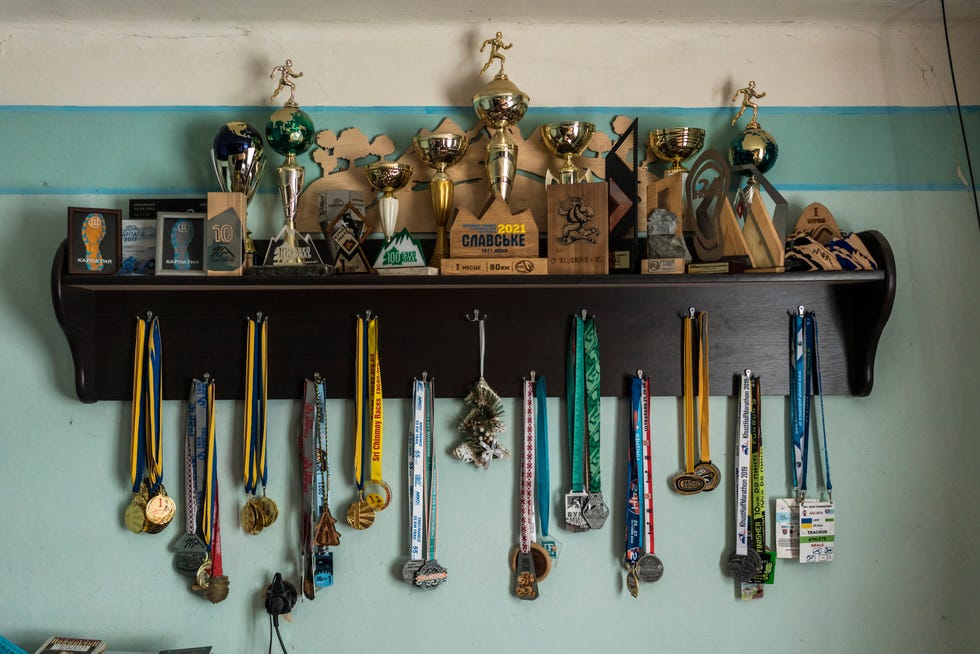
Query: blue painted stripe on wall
[{"x": 164, "y": 150}]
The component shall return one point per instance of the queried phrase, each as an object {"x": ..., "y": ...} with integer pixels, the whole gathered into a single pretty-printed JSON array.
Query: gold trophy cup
[
  {"x": 568, "y": 140},
  {"x": 675, "y": 145},
  {"x": 440, "y": 151},
  {"x": 388, "y": 177}
]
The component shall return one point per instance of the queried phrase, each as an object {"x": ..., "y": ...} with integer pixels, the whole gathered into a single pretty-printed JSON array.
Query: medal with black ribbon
[
  {"x": 745, "y": 563},
  {"x": 189, "y": 550},
  {"x": 584, "y": 510},
  {"x": 689, "y": 482},
  {"x": 531, "y": 562},
  {"x": 373, "y": 493},
  {"x": 258, "y": 512},
  {"x": 642, "y": 563},
  {"x": 151, "y": 509}
]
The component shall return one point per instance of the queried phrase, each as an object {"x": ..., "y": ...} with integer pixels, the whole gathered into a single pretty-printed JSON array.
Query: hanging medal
[
  {"x": 151, "y": 509},
  {"x": 817, "y": 516},
  {"x": 531, "y": 562},
  {"x": 481, "y": 425},
  {"x": 596, "y": 511},
  {"x": 757, "y": 520},
  {"x": 190, "y": 551},
  {"x": 258, "y": 512},
  {"x": 642, "y": 563},
  {"x": 704, "y": 468},
  {"x": 317, "y": 525},
  {"x": 431, "y": 574},
  {"x": 688, "y": 482},
  {"x": 373, "y": 493},
  {"x": 745, "y": 563},
  {"x": 787, "y": 509},
  {"x": 542, "y": 472},
  {"x": 210, "y": 578}
]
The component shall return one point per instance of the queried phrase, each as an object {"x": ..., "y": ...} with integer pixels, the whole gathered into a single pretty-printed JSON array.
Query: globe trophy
[
  {"x": 500, "y": 104},
  {"x": 238, "y": 157},
  {"x": 402, "y": 251},
  {"x": 675, "y": 145},
  {"x": 753, "y": 145},
  {"x": 440, "y": 151},
  {"x": 290, "y": 132},
  {"x": 568, "y": 140}
]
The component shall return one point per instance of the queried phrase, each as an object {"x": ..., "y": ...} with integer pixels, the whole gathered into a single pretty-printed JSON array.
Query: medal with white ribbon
[
  {"x": 817, "y": 525},
  {"x": 373, "y": 493},
  {"x": 190, "y": 551},
  {"x": 688, "y": 482},
  {"x": 431, "y": 574},
  {"x": 416, "y": 484},
  {"x": 542, "y": 471},
  {"x": 745, "y": 563},
  {"x": 258, "y": 512},
  {"x": 531, "y": 562}
]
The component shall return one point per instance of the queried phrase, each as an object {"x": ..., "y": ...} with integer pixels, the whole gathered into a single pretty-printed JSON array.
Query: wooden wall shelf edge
[{"x": 423, "y": 327}]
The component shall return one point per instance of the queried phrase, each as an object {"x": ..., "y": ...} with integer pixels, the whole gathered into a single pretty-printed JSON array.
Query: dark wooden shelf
[{"x": 423, "y": 327}]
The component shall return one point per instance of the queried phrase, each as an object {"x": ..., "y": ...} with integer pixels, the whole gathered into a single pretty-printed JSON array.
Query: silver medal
[
  {"x": 430, "y": 575},
  {"x": 189, "y": 553},
  {"x": 745, "y": 566},
  {"x": 595, "y": 511},
  {"x": 574, "y": 504},
  {"x": 649, "y": 568},
  {"x": 410, "y": 569}
]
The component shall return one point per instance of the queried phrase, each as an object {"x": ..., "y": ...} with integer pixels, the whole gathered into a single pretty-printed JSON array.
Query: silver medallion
[
  {"x": 430, "y": 575},
  {"x": 410, "y": 569},
  {"x": 574, "y": 504},
  {"x": 189, "y": 553},
  {"x": 526, "y": 586},
  {"x": 649, "y": 568},
  {"x": 595, "y": 511},
  {"x": 745, "y": 566}
]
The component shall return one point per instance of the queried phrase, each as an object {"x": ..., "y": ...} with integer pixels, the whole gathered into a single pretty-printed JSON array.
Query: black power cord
[{"x": 959, "y": 112}]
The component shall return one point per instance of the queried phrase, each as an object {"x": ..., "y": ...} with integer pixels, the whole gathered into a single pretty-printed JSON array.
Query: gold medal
[
  {"x": 267, "y": 510},
  {"x": 360, "y": 515},
  {"x": 135, "y": 514},
  {"x": 378, "y": 494},
  {"x": 252, "y": 522},
  {"x": 160, "y": 509},
  {"x": 539, "y": 555},
  {"x": 202, "y": 579}
]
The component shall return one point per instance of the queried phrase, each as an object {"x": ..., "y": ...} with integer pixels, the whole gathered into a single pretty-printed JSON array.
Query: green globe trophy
[
  {"x": 290, "y": 132},
  {"x": 753, "y": 145}
]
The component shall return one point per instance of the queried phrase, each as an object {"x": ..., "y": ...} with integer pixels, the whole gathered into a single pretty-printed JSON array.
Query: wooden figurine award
[{"x": 578, "y": 223}]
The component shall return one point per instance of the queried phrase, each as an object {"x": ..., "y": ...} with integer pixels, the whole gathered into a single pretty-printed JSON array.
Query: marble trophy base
[{"x": 298, "y": 270}]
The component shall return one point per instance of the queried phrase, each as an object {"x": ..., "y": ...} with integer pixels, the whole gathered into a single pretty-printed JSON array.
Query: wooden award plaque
[
  {"x": 578, "y": 229},
  {"x": 224, "y": 242},
  {"x": 497, "y": 243}
]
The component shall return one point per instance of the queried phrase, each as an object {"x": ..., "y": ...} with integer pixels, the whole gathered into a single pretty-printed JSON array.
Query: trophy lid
[{"x": 500, "y": 103}]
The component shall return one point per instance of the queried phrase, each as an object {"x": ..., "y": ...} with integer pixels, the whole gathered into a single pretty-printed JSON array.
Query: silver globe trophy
[
  {"x": 676, "y": 144},
  {"x": 440, "y": 151},
  {"x": 568, "y": 140},
  {"x": 753, "y": 145},
  {"x": 238, "y": 157},
  {"x": 500, "y": 104}
]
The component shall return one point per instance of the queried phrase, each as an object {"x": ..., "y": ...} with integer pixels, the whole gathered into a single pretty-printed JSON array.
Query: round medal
[
  {"x": 217, "y": 589},
  {"x": 378, "y": 494},
  {"x": 251, "y": 518},
  {"x": 710, "y": 473},
  {"x": 160, "y": 509},
  {"x": 594, "y": 513},
  {"x": 430, "y": 575},
  {"x": 649, "y": 568},
  {"x": 266, "y": 510},
  {"x": 360, "y": 515},
  {"x": 202, "y": 579},
  {"x": 410, "y": 569},
  {"x": 135, "y": 516},
  {"x": 745, "y": 566},
  {"x": 540, "y": 559},
  {"x": 688, "y": 483}
]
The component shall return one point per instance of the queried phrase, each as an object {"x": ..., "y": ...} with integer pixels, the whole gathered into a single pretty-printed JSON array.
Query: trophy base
[
  {"x": 408, "y": 270},
  {"x": 298, "y": 270},
  {"x": 495, "y": 266}
]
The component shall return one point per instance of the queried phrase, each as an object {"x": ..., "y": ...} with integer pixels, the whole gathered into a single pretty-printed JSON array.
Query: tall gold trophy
[
  {"x": 500, "y": 104},
  {"x": 440, "y": 151}
]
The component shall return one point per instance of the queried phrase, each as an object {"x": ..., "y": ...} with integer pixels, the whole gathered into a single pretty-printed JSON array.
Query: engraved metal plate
[
  {"x": 430, "y": 575},
  {"x": 574, "y": 504},
  {"x": 595, "y": 511},
  {"x": 649, "y": 568}
]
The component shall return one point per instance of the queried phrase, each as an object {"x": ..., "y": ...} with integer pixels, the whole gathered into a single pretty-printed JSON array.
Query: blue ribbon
[{"x": 634, "y": 498}]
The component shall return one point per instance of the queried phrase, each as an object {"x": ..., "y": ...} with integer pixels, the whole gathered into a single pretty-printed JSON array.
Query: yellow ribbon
[
  {"x": 377, "y": 402},
  {"x": 153, "y": 434},
  {"x": 703, "y": 390},
  {"x": 688, "y": 399},
  {"x": 249, "y": 390},
  {"x": 134, "y": 447},
  {"x": 359, "y": 389},
  {"x": 209, "y": 489}
]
